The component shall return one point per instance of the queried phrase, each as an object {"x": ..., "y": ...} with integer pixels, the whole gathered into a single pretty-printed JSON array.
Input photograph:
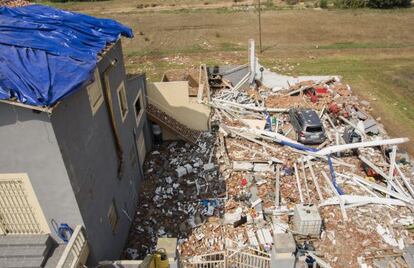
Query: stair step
[
  {"x": 24, "y": 251},
  {"x": 19, "y": 240},
  {"x": 160, "y": 117},
  {"x": 19, "y": 262}
]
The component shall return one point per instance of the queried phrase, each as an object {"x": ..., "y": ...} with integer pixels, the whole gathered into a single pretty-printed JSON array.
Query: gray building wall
[
  {"x": 89, "y": 153},
  {"x": 28, "y": 145}
]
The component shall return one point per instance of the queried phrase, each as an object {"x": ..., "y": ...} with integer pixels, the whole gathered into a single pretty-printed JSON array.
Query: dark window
[
  {"x": 113, "y": 216},
  {"x": 314, "y": 129},
  {"x": 138, "y": 106}
]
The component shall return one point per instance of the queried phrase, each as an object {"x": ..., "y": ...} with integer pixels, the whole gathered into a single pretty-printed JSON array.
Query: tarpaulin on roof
[{"x": 47, "y": 53}]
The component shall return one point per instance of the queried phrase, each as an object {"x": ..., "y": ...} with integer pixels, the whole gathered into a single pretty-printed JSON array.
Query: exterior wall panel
[
  {"x": 89, "y": 152},
  {"x": 28, "y": 145}
]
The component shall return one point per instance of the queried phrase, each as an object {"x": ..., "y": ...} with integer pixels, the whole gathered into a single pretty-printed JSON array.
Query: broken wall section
[{"x": 173, "y": 99}]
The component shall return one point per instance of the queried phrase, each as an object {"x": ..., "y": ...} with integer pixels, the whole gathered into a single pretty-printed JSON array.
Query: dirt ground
[{"x": 372, "y": 49}]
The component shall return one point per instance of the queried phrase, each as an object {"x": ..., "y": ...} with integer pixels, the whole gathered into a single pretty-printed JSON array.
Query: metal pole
[{"x": 260, "y": 28}]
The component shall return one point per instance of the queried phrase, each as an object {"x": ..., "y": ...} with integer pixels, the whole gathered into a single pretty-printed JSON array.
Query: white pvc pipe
[{"x": 343, "y": 147}]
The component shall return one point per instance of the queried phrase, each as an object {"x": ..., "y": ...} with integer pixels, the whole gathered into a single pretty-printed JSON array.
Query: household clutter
[{"x": 294, "y": 170}]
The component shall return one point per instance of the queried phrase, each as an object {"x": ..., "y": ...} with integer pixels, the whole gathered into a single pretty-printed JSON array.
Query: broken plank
[
  {"x": 315, "y": 180},
  {"x": 298, "y": 182},
  {"x": 341, "y": 202}
]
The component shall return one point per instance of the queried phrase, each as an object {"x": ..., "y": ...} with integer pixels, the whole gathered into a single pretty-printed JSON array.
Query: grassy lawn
[{"x": 373, "y": 50}]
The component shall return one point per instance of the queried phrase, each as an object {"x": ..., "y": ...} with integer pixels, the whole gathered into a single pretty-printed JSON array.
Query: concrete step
[
  {"x": 20, "y": 240},
  {"x": 19, "y": 262},
  {"x": 55, "y": 256},
  {"x": 24, "y": 251}
]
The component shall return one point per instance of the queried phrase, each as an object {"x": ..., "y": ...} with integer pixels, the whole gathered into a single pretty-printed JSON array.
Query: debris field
[{"x": 249, "y": 178}]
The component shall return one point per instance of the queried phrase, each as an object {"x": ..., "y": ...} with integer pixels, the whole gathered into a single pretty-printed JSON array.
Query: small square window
[
  {"x": 139, "y": 107},
  {"x": 123, "y": 104},
  {"x": 113, "y": 216},
  {"x": 95, "y": 93}
]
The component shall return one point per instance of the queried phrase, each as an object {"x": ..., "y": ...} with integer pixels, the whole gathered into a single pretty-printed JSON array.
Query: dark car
[{"x": 307, "y": 125}]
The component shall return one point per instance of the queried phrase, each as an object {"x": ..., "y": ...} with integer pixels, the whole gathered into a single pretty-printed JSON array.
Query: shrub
[
  {"x": 269, "y": 4},
  {"x": 350, "y": 3},
  {"x": 388, "y": 3},
  {"x": 372, "y": 3},
  {"x": 323, "y": 3},
  {"x": 65, "y": 1},
  {"x": 292, "y": 2}
]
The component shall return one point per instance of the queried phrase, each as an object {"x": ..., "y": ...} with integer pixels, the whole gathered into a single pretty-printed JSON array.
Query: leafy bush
[
  {"x": 292, "y": 2},
  {"x": 323, "y": 3},
  {"x": 372, "y": 3},
  {"x": 65, "y": 1},
  {"x": 388, "y": 3},
  {"x": 351, "y": 3},
  {"x": 269, "y": 4}
]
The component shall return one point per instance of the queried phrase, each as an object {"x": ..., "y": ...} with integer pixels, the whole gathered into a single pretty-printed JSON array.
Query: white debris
[
  {"x": 263, "y": 168},
  {"x": 256, "y": 202},
  {"x": 208, "y": 167},
  {"x": 189, "y": 168},
  {"x": 181, "y": 171},
  {"x": 386, "y": 236},
  {"x": 242, "y": 166}
]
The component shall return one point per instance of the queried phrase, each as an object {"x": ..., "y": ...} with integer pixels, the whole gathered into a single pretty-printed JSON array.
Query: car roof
[{"x": 310, "y": 117}]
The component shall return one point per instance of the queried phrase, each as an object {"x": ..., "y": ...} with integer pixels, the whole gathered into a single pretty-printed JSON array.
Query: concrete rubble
[{"x": 247, "y": 186}]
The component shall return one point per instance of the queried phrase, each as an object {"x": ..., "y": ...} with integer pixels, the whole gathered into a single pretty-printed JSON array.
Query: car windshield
[{"x": 314, "y": 129}]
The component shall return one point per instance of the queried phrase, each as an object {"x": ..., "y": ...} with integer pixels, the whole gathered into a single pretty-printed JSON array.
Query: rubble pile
[
  {"x": 347, "y": 201},
  {"x": 182, "y": 189},
  {"x": 14, "y": 3}
]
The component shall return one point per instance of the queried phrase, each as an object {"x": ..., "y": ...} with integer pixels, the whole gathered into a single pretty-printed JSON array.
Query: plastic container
[
  {"x": 157, "y": 133},
  {"x": 307, "y": 220}
]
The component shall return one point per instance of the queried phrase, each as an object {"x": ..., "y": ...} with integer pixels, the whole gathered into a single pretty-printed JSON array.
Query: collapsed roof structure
[
  {"x": 45, "y": 60},
  {"x": 248, "y": 194}
]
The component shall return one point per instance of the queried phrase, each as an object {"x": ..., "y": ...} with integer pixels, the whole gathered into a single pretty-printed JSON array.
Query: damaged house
[
  {"x": 74, "y": 135},
  {"x": 248, "y": 168}
]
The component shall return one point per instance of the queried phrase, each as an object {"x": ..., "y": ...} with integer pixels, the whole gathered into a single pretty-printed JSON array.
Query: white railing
[
  {"x": 240, "y": 258},
  {"x": 248, "y": 259},
  {"x": 76, "y": 252},
  {"x": 210, "y": 260}
]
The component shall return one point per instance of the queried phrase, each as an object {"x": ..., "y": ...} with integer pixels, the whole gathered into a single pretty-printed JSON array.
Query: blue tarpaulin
[{"x": 47, "y": 53}]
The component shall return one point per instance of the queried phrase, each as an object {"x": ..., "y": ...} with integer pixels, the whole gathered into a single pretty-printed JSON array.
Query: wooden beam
[
  {"x": 341, "y": 201},
  {"x": 298, "y": 183},
  {"x": 277, "y": 198},
  {"x": 315, "y": 181},
  {"x": 305, "y": 180},
  {"x": 27, "y": 106}
]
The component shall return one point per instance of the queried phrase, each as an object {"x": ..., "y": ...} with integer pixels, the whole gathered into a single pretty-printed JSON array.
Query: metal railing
[{"x": 76, "y": 252}]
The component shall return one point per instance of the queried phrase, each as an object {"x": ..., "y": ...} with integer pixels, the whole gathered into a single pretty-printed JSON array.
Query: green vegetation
[
  {"x": 323, "y": 3},
  {"x": 372, "y": 3},
  {"x": 388, "y": 3},
  {"x": 353, "y": 45}
]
